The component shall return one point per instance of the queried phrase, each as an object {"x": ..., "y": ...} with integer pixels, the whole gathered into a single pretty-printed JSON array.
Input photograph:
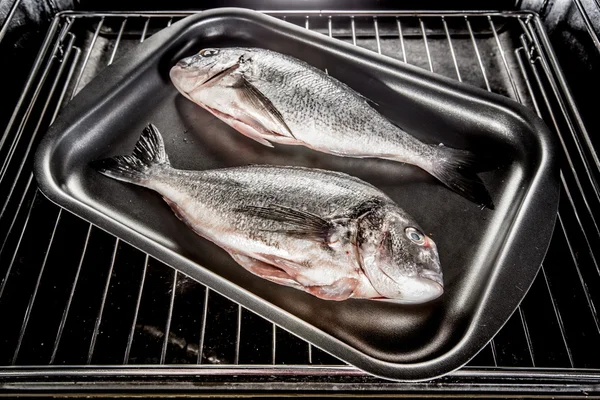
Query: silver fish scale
[
  {"x": 226, "y": 190},
  {"x": 301, "y": 93}
]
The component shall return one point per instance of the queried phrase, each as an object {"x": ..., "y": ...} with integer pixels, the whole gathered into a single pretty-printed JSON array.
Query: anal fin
[
  {"x": 266, "y": 271},
  {"x": 253, "y": 99},
  {"x": 340, "y": 289}
]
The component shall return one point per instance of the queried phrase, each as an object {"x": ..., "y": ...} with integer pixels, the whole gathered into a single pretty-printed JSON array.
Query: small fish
[
  {"x": 326, "y": 233},
  {"x": 272, "y": 97}
]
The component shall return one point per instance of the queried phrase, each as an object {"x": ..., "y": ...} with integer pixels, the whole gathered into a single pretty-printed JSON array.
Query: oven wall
[{"x": 573, "y": 27}]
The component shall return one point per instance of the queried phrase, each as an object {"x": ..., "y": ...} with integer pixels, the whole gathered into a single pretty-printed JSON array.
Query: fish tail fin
[
  {"x": 147, "y": 156},
  {"x": 457, "y": 169}
]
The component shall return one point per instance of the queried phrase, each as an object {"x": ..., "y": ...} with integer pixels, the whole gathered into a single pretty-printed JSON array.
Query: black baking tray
[{"x": 489, "y": 257}]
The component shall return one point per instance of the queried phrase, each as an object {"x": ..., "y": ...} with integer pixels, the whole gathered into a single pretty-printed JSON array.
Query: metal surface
[
  {"x": 9, "y": 16},
  {"x": 555, "y": 326}
]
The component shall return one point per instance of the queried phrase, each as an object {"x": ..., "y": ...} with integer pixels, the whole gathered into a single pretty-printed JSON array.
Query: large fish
[
  {"x": 271, "y": 97},
  {"x": 326, "y": 233}
]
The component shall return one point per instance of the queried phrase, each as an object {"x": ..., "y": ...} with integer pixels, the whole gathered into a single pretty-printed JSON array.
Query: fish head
[
  {"x": 400, "y": 261},
  {"x": 194, "y": 72}
]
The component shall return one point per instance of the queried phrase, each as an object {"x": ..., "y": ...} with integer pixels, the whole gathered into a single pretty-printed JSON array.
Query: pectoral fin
[
  {"x": 241, "y": 127},
  {"x": 296, "y": 222},
  {"x": 252, "y": 112},
  {"x": 264, "y": 109}
]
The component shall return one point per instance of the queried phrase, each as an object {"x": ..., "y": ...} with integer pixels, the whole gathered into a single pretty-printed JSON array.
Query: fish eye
[
  {"x": 415, "y": 236},
  {"x": 209, "y": 52}
]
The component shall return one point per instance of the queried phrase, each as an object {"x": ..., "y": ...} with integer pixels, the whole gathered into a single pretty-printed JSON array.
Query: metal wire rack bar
[
  {"x": 63, "y": 93},
  {"x": 588, "y": 23},
  {"x": 282, "y": 378},
  {"x": 137, "y": 310},
  {"x": 65, "y": 313},
  {"x": 426, "y": 44},
  {"x": 102, "y": 304},
  {"x": 274, "y": 344},
  {"x": 581, "y": 280},
  {"x": 87, "y": 56},
  {"x": 400, "y": 36},
  {"x": 501, "y": 51},
  {"x": 451, "y": 50},
  {"x": 163, "y": 353},
  {"x": 33, "y": 295},
  {"x": 114, "y": 52},
  {"x": 238, "y": 335},
  {"x": 309, "y": 13},
  {"x": 377, "y": 39},
  {"x": 568, "y": 375},
  {"x": 12, "y": 260},
  {"x": 526, "y": 79},
  {"x": 353, "y": 30},
  {"x": 9, "y": 17},
  {"x": 14, "y": 219},
  {"x": 487, "y": 83},
  {"x": 203, "y": 326},
  {"x": 353, "y": 27}
]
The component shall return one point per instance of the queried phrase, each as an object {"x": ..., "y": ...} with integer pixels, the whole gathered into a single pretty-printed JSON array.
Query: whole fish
[
  {"x": 272, "y": 97},
  {"x": 326, "y": 233}
]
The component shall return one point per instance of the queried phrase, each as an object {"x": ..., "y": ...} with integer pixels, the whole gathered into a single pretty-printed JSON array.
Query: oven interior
[{"x": 82, "y": 311}]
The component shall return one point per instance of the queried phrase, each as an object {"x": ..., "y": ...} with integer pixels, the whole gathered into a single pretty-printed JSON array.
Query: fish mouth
[
  {"x": 425, "y": 275},
  {"x": 433, "y": 276},
  {"x": 437, "y": 290},
  {"x": 433, "y": 291},
  {"x": 432, "y": 281},
  {"x": 175, "y": 74},
  {"x": 179, "y": 74},
  {"x": 182, "y": 63}
]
